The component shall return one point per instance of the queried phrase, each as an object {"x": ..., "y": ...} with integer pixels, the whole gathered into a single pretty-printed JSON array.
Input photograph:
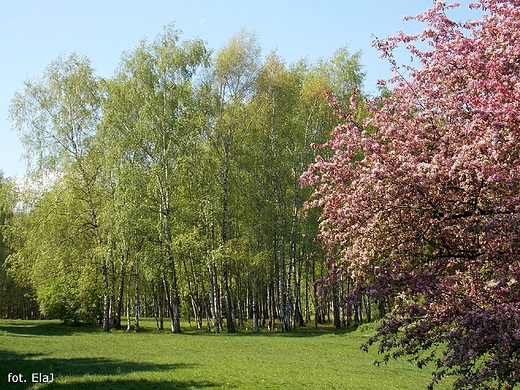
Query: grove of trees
[{"x": 172, "y": 188}]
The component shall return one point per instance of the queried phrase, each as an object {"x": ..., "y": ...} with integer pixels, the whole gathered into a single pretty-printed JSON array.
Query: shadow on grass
[
  {"x": 56, "y": 328},
  {"x": 87, "y": 373},
  {"x": 311, "y": 331},
  {"x": 33, "y": 328},
  {"x": 132, "y": 384},
  {"x": 299, "y": 332},
  {"x": 43, "y": 328}
]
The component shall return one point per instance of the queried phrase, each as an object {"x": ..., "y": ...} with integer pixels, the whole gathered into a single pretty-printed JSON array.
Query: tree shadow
[
  {"x": 44, "y": 328},
  {"x": 86, "y": 373},
  {"x": 54, "y": 328},
  {"x": 133, "y": 384},
  {"x": 299, "y": 332}
]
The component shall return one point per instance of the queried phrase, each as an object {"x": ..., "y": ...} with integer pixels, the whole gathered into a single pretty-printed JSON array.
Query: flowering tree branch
[{"x": 422, "y": 200}]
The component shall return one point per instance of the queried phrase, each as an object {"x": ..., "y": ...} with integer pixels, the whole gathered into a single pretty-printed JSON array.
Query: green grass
[{"x": 86, "y": 358}]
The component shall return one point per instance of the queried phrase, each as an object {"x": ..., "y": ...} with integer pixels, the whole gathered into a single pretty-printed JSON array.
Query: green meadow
[{"x": 87, "y": 358}]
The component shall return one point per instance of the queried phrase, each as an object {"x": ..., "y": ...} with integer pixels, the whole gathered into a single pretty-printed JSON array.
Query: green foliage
[
  {"x": 56, "y": 258},
  {"x": 16, "y": 294},
  {"x": 176, "y": 179},
  {"x": 57, "y": 115}
]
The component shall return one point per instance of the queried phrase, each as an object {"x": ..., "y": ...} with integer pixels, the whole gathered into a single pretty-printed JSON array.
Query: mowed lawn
[{"x": 87, "y": 358}]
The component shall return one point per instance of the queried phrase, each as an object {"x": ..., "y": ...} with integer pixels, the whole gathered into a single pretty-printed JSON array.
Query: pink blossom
[{"x": 432, "y": 201}]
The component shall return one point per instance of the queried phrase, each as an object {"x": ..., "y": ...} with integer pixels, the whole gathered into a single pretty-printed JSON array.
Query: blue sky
[{"x": 35, "y": 32}]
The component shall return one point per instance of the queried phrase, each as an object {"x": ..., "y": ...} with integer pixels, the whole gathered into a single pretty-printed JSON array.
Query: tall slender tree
[
  {"x": 232, "y": 81},
  {"x": 157, "y": 126}
]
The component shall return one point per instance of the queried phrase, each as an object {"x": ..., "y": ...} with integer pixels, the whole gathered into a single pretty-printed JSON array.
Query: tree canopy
[{"x": 421, "y": 200}]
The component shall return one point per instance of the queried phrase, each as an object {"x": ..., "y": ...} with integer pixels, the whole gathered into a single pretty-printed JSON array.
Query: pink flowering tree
[{"x": 422, "y": 199}]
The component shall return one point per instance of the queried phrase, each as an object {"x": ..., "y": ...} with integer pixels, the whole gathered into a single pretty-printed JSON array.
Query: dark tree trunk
[
  {"x": 357, "y": 312},
  {"x": 381, "y": 306},
  {"x": 128, "y": 300},
  {"x": 368, "y": 307},
  {"x": 230, "y": 321},
  {"x": 157, "y": 307},
  {"x": 137, "y": 303},
  {"x": 256, "y": 327},
  {"x": 119, "y": 303},
  {"x": 335, "y": 304}
]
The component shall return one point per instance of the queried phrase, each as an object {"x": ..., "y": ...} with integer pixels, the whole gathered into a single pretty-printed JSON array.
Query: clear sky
[{"x": 35, "y": 32}]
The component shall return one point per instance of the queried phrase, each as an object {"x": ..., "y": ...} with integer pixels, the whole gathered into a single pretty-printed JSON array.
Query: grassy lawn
[{"x": 86, "y": 358}]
